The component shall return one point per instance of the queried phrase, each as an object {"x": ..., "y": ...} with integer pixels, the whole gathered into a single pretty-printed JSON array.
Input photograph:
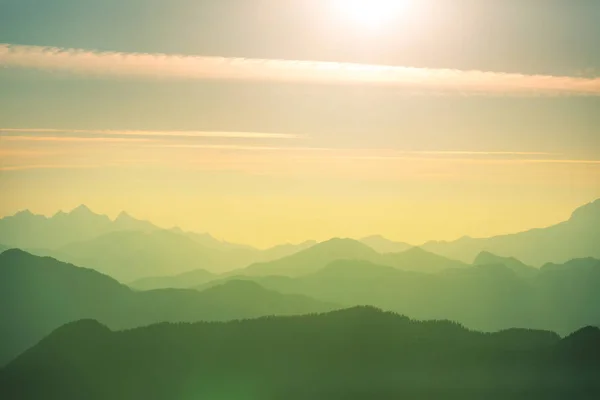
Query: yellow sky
[
  {"x": 263, "y": 124},
  {"x": 265, "y": 195}
]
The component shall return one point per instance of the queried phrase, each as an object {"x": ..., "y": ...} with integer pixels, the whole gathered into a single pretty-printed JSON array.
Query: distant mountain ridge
[
  {"x": 383, "y": 245},
  {"x": 38, "y": 294},
  {"x": 487, "y": 297},
  {"x": 578, "y": 237},
  {"x": 127, "y": 248},
  {"x": 27, "y": 230},
  {"x": 487, "y": 258},
  {"x": 318, "y": 256},
  {"x": 313, "y": 258}
]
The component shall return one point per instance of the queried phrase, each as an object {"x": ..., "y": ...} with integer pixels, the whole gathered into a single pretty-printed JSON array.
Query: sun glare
[{"x": 372, "y": 14}]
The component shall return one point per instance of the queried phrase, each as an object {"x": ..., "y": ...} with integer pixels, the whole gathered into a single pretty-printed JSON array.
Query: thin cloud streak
[
  {"x": 390, "y": 153},
  {"x": 72, "y": 139},
  {"x": 366, "y": 154},
  {"x": 476, "y": 160},
  {"x": 118, "y": 132},
  {"x": 49, "y": 166},
  {"x": 319, "y": 152},
  {"x": 182, "y": 67}
]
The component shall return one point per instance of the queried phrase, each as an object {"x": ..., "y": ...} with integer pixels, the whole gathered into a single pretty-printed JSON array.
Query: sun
[{"x": 372, "y": 14}]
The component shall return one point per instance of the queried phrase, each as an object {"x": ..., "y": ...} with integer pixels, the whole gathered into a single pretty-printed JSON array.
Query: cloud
[
  {"x": 183, "y": 67},
  {"x": 317, "y": 152},
  {"x": 350, "y": 153},
  {"x": 10, "y": 168},
  {"x": 71, "y": 139},
  {"x": 182, "y": 134}
]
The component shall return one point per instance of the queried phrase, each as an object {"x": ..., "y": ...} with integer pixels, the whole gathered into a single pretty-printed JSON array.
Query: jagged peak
[
  {"x": 59, "y": 214},
  {"x": 124, "y": 216},
  {"x": 81, "y": 209},
  {"x": 25, "y": 213}
]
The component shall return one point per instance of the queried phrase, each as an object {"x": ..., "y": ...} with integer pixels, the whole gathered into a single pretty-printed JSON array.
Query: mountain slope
[
  {"x": 25, "y": 229},
  {"x": 181, "y": 281},
  {"x": 130, "y": 255},
  {"x": 320, "y": 255},
  {"x": 128, "y": 248},
  {"x": 359, "y": 353},
  {"x": 313, "y": 258},
  {"x": 578, "y": 237},
  {"x": 133, "y": 255},
  {"x": 39, "y": 294},
  {"x": 492, "y": 297},
  {"x": 487, "y": 258},
  {"x": 417, "y": 259},
  {"x": 383, "y": 245}
]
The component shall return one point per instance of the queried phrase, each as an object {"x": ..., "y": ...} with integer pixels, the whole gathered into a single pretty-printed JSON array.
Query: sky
[{"x": 265, "y": 122}]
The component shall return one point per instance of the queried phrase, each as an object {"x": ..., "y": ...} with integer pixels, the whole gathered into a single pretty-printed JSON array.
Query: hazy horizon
[
  {"x": 113, "y": 216},
  {"x": 375, "y": 199},
  {"x": 262, "y": 124}
]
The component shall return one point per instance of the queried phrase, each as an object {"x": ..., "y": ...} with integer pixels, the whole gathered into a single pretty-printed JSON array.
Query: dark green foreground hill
[
  {"x": 358, "y": 353},
  {"x": 39, "y": 294}
]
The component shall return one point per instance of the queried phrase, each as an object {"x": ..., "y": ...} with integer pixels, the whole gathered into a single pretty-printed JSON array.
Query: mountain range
[
  {"x": 81, "y": 237},
  {"x": 318, "y": 256},
  {"x": 28, "y": 230},
  {"x": 127, "y": 248},
  {"x": 356, "y": 353},
  {"x": 39, "y": 294},
  {"x": 578, "y": 237},
  {"x": 486, "y": 297}
]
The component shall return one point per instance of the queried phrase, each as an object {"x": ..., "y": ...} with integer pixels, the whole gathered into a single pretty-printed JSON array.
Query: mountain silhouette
[
  {"x": 314, "y": 258},
  {"x": 27, "y": 230},
  {"x": 358, "y": 353},
  {"x": 38, "y": 294},
  {"x": 320, "y": 255},
  {"x": 583, "y": 345},
  {"x": 487, "y": 258},
  {"x": 125, "y": 222},
  {"x": 127, "y": 248},
  {"x": 576, "y": 238},
  {"x": 131, "y": 255},
  {"x": 417, "y": 259},
  {"x": 383, "y": 245},
  {"x": 487, "y": 297}
]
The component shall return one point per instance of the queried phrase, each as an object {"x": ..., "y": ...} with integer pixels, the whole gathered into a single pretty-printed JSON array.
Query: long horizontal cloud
[
  {"x": 163, "y": 66},
  {"x": 385, "y": 153},
  {"x": 50, "y": 135},
  {"x": 50, "y": 166},
  {"x": 183, "y": 134},
  {"x": 71, "y": 139}
]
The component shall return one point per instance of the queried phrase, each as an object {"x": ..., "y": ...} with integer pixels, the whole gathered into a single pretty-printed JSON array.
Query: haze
[{"x": 493, "y": 130}]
